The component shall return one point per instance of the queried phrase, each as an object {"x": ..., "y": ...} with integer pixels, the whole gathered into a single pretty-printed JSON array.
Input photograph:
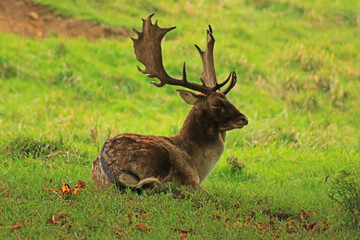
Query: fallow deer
[{"x": 145, "y": 161}]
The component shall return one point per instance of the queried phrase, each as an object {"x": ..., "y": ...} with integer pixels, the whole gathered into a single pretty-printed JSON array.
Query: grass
[{"x": 297, "y": 63}]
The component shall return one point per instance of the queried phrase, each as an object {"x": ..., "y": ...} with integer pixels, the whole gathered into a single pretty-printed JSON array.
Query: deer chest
[{"x": 206, "y": 161}]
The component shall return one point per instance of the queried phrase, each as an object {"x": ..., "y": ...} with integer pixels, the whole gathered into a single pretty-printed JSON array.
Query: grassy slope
[{"x": 298, "y": 83}]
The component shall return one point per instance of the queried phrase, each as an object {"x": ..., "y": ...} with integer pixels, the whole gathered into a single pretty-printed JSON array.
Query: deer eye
[{"x": 218, "y": 108}]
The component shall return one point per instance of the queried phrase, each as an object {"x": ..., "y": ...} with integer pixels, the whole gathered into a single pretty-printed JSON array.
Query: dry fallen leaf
[
  {"x": 183, "y": 236},
  {"x": 142, "y": 214},
  {"x": 119, "y": 233},
  {"x": 53, "y": 191},
  {"x": 17, "y": 225},
  {"x": 309, "y": 226},
  {"x": 65, "y": 190},
  {"x": 176, "y": 229},
  {"x": 141, "y": 227},
  {"x": 57, "y": 220},
  {"x": 183, "y": 232},
  {"x": 304, "y": 215},
  {"x": 76, "y": 188},
  {"x": 129, "y": 218},
  {"x": 262, "y": 225}
]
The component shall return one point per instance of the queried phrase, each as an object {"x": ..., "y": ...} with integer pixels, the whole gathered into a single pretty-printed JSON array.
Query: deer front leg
[
  {"x": 197, "y": 186},
  {"x": 184, "y": 172}
]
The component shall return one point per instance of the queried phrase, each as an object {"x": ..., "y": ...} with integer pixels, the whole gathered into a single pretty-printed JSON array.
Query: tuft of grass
[
  {"x": 7, "y": 70},
  {"x": 235, "y": 164},
  {"x": 20, "y": 146},
  {"x": 345, "y": 190}
]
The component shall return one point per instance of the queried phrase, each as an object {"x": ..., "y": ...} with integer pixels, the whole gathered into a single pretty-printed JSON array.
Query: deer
[{"x": 143, "y": 162}]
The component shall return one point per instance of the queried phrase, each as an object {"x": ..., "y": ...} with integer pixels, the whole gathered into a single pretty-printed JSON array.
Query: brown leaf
[
  {"x": 119, "y": 233},
  {"x": 310, "y": 226},
  {"x": 142, "y": 227},
  {"x": 56, "y": 220},
  {"x": 304, "y": 215},
  {"x": 62, "y": 215},
  {"x": 179, "y": 196},
  {"x": 76, "y": 188},
  {"x": 51, "y": 220},
  {"x": 320, "y": 226},
  {"x": 183, "y": 232},
  {"x": 17, "y": 225},
  {"x": 290, "y": 230},
  {"x": 262, "y": 225},
  {"x": 65, "y": 190},
  {"x": 215, "y": 217},
  {"x": 142, "y": 214},
  {"x": 183, "y": 236},
  {"x": 31, "y": 221},
  {"x": 176, "y": 229},
  {"x": 53, "y": 191},
  {"x": 129, "y": 218},
  {"x": 307, "y": 214}
]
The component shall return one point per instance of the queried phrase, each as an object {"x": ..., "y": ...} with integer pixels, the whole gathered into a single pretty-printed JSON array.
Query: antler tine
[
  {"x": 218, "y": 86},
  {"x": 232, "y": 83},
  {"x": 208, "y": 75},
  {"x": 148, "y": 51},
  {"x": 184, "y": 73}
]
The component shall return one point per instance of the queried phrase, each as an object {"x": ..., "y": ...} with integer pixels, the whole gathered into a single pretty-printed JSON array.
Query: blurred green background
[{"x": 298, "y": 83}]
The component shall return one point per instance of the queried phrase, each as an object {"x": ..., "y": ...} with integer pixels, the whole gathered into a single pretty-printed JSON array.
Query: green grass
[{"x": 298, "y": 69}]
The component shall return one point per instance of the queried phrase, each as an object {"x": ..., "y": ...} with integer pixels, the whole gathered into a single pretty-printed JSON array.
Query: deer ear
[{"x": 189, "y": 97}]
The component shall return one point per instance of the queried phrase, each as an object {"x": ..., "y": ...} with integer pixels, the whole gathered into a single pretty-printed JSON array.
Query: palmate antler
[{"x": 148, "y": 51}]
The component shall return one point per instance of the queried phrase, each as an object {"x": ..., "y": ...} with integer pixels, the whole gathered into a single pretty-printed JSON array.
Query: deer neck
[
  {"x": 198, "y": 129},
  {"x": 202, "y": 141}
]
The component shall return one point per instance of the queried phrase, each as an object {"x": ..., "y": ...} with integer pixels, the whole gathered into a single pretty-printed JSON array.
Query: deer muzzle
[{"x": 240, "y": 122}]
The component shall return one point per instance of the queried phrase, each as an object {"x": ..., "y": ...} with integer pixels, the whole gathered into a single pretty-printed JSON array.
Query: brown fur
[{"x": 187, "y": 158}]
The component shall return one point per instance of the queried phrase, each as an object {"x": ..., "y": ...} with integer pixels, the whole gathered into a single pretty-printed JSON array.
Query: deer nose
[{"x": 245, "y": 120}]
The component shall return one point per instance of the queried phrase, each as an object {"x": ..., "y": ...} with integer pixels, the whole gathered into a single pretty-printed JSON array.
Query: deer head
[{"x": 211, "y": 101}]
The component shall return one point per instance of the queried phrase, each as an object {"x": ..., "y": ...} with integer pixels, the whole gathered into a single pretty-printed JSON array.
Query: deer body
[{"x": 144, "y": 161}]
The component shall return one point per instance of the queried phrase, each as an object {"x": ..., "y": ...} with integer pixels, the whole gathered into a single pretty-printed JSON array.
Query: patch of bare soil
[{"x": 28, "y": 19}]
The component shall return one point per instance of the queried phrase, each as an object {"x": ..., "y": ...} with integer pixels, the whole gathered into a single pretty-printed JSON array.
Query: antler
[
  {"x": 208, "y": 76},
  {"x": 232, "y": 83},
  {"x": 148, "y": 51}
]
